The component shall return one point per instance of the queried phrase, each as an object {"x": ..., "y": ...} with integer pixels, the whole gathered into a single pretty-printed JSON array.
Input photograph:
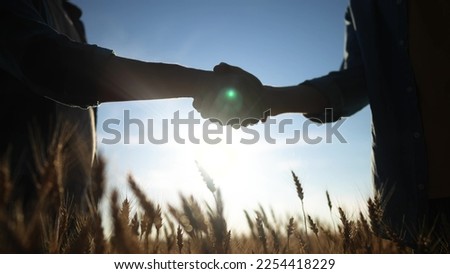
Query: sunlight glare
[{"x": 218, "y": 160}]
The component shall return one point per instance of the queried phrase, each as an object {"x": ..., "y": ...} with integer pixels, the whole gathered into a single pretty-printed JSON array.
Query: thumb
[{"x": 223, "y": 68}]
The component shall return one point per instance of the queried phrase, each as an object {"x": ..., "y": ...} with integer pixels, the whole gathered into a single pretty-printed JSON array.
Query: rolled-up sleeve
[
  {"x": 50, "y": 63},
  {"x": 346, "y": 89}
]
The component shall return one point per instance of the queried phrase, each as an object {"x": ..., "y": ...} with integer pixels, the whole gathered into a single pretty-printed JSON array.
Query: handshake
[
  {"x": 234, "y": 97},
  {"x": 227, "y": 95}
]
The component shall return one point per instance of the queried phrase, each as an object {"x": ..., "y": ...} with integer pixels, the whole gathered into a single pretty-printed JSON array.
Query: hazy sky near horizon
[{"x": 281, "y": 42}]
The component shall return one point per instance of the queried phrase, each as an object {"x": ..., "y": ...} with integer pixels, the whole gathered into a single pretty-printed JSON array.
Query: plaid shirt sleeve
[{"x": 48, "y": 62}]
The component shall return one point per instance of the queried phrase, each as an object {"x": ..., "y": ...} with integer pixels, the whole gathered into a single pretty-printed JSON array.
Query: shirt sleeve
[
  {"x": 346, "y": 89},
  {"x": 48, "y": 62}
]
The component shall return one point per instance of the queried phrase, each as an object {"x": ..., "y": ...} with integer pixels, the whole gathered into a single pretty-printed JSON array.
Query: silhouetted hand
[{"x": 239, "y": 101}]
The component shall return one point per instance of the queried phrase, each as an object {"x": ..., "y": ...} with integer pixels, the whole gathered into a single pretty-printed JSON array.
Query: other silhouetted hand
[{"x": 238, "y": 101}]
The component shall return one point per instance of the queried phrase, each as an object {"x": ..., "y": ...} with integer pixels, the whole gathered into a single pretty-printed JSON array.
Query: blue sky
[{"x": 281, "y": 42}]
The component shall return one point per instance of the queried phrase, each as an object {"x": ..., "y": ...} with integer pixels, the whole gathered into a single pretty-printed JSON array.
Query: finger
[
  {"x": 216, "y": 121},
  {"x": 197, "y": 103},
  {"x": 249, "y": 122},
  {"x": 232, "y": 121},
  {"x": 235, "y": 126}
]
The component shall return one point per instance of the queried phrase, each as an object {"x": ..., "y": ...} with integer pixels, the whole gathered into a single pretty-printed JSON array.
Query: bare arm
[
  {"x": 298, "y": 99},
  {"x": 126, "y": 79}
]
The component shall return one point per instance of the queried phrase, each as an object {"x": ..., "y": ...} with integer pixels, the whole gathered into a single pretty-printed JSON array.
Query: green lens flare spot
[{"x": 231, "y": 94}]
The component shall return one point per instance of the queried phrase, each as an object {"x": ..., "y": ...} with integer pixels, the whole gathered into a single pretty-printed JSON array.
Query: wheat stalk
[
  {"x": 315, "y": 230},
  {"x": 261, "y": 232},
  {"x": 300, "y": 194},
  {"x": 122, "y": 240},
  {"x": 346, "y": 232},
  {"x": 290, "y": 230},
  {"x": 180, "y": 239}
]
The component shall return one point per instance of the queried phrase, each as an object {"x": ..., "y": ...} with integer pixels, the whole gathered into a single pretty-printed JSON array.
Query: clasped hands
[{"x": 237, "y": 98}]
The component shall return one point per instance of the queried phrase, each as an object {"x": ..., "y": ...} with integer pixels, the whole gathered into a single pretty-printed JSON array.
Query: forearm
[
  {"x": 126, "y": 79},
  {"x": 296, "y": 99}
]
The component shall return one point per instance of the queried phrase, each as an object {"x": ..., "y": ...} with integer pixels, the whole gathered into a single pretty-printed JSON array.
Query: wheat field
[{"x": 54, "y": 225}]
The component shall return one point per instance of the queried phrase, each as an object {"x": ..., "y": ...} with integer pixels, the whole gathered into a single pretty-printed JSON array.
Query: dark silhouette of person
[
  {"x": 52, "y": 80},
  {"x": 397, "y": 58}
]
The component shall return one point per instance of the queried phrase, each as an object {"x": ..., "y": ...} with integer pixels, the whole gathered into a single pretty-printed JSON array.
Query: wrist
[
  {"x": 293, "y": 99},
  {"x": 271, "y": 100}
]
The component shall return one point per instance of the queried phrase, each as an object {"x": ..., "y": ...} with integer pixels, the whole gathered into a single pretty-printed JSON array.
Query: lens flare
[{"x": 231, "y": 94}]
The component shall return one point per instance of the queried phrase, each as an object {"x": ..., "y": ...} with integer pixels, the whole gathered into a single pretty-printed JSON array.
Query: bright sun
[{"x": 218, "y": 160}]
